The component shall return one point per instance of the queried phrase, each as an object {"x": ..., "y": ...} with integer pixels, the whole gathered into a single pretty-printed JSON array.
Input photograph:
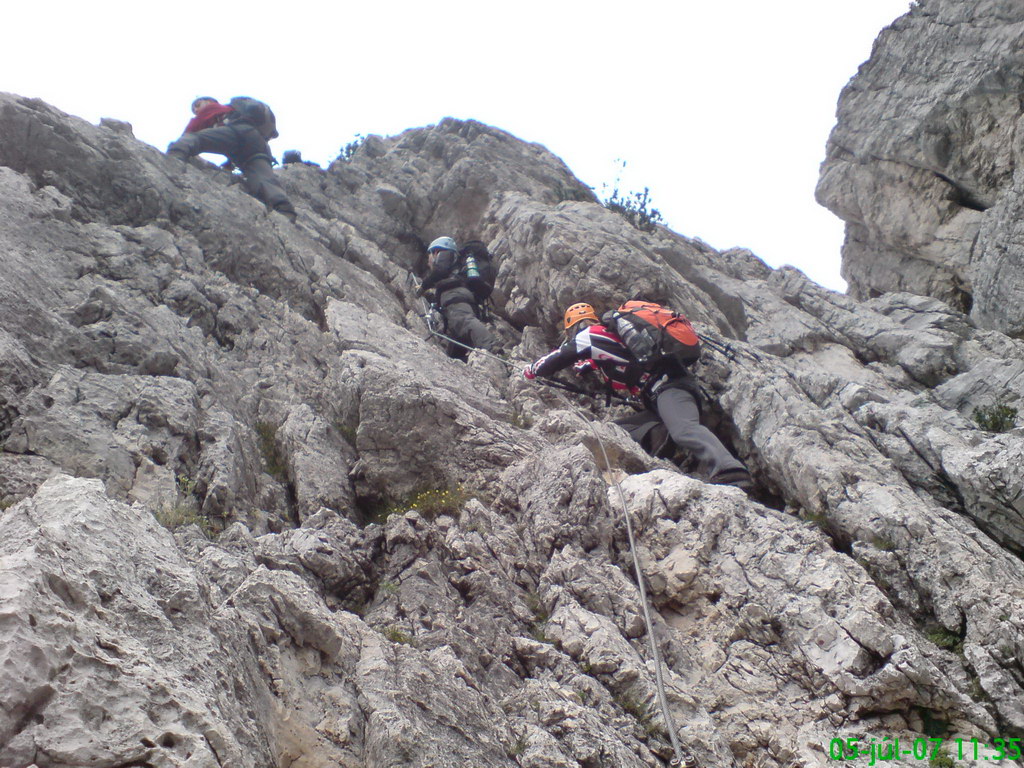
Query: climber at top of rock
[{"x": 242, "y": 138}]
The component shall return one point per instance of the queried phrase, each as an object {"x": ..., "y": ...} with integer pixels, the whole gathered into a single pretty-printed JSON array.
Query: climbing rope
[
  {"x": 483, "y": 352},
  {"x": 555, "y": 384},
  {"x": 681, "y": 758},
  {"x": 430, "y": 316}
]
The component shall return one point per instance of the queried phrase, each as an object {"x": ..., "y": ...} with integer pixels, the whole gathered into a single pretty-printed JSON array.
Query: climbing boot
[{"x": 738, "y": 477}]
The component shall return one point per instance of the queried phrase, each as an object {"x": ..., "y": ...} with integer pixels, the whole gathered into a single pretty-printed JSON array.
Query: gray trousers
[
  {"x": 463, "y": 324},
  {"x": 243, "y": 145},
  {"x": 678, "y": 409}
]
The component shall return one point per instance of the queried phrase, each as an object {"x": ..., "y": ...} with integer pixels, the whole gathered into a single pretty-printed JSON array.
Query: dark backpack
[
  {"x": 654, "y": 333},
  {"x": 482, "y": 283},
  {"x": 255, "y": 113}
]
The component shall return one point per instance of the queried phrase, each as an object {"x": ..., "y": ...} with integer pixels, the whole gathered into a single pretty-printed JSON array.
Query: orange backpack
[{"x": 654, "y": 333}]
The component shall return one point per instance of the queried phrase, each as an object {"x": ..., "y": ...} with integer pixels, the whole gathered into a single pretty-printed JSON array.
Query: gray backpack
[{"x": 255, "y": 113}]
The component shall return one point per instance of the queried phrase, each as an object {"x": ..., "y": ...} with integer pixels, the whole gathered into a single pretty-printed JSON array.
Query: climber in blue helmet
[{"x": 452, "y": 281}]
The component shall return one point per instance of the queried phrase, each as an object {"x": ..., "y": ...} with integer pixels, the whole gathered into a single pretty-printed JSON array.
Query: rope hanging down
[
  {"x": 681, "y": 758},
  {"x": 430, "y": 319}
]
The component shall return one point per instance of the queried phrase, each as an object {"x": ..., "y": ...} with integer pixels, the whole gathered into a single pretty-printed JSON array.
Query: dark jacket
[
  {"x": 451, "y": 286},
  {"x": 445, "y": 274}
]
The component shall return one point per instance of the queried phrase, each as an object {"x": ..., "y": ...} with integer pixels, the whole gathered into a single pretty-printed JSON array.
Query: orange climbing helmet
[{"x": 578, "y": 312}]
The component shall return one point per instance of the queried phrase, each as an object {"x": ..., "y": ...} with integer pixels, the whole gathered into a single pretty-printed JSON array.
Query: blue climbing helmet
[{"x": 443, "y": 244}]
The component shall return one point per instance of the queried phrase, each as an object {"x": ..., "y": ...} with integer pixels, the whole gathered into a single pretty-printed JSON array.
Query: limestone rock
[
  {"x": 923, "y": 163},
  {"x": 384, "y": 556},
  {"x": 111, "y": 652}
]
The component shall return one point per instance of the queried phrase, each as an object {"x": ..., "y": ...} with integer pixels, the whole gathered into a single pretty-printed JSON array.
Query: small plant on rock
[
  {"x": 349, "y": 150},
  {"x": 817, "y": 519},
  {"x": 932, "y": 724},
  {"x": 179, "y": 515},
  {"x": 978, "y": 692},
  {"x": 882, "y": 543},
  {"x": 430, "y": 504},
  {"x": 943, "y": 638},
  {"x": 539, "y": 619},
  {"x": 639, "y": 710},
  {"x": 186, "y": 486},
  {"x": 537, "y": 633},
  {"x": 518, "y": 748},
  {"x": 995, "y": 418},
  {"x": 395, "y": 635},
  {"x": 565, "y": 192},
  {"x": 185, "y": 509},
  {"x": 521, "y": 420},
  {"x": 347, "y": 432},
  {"x": 536, "y": 606},
  {"x": 635, "y": 207},
  {"x": 435, "y": 502}
]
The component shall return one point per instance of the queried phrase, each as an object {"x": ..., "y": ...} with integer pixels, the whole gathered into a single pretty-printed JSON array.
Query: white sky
[{"x": 722, "y": 109}]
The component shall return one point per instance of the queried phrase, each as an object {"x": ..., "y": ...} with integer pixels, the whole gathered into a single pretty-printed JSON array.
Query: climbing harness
[{"x": 431, "y": 316}]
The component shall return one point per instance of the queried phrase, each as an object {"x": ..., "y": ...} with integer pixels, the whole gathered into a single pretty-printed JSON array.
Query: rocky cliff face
[
  {"x": 374, "y": 555},
  {"x": 924, "y": 164}
]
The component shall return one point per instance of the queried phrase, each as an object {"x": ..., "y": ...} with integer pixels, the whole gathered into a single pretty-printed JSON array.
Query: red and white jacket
[{"x": 600, "y": 349}]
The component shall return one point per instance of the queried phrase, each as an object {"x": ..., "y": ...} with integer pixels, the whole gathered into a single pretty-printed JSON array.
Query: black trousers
[{"x": 243, "y": 145}]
